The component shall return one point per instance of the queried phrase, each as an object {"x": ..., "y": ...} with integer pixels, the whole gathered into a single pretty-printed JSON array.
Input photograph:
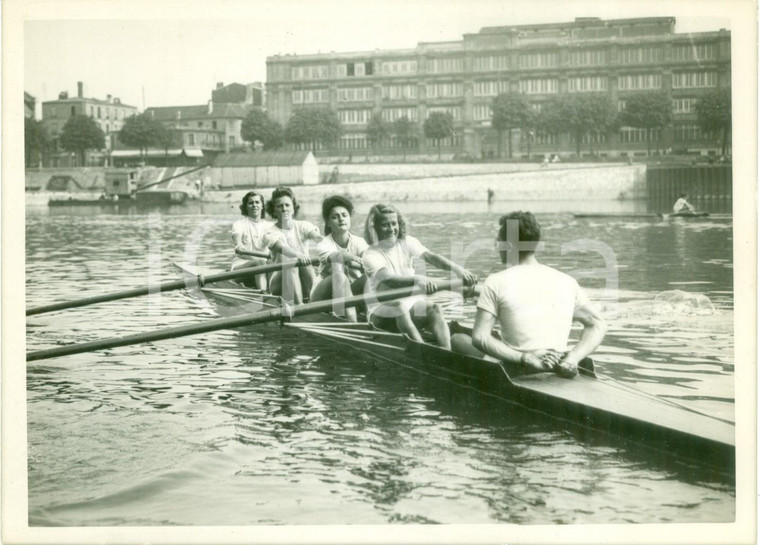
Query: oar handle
[
  {"x": 282, "y": 312},
  {"x": 188, "y": 281}
]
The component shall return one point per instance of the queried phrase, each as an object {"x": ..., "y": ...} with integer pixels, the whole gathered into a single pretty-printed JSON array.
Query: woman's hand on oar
[
  {"x": 270, "y": 315},
  {"x": 199, "y": 280}
]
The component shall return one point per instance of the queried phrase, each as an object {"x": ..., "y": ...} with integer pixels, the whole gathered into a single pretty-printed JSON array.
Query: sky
[{"x": 175, "y": 56}]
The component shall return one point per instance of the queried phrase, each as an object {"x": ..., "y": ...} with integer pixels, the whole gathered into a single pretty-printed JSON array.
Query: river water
[{"x": 261, "y": 426}]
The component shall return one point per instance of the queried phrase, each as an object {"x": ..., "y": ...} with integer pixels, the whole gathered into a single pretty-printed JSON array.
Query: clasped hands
[{"x": 551, "y": 360}]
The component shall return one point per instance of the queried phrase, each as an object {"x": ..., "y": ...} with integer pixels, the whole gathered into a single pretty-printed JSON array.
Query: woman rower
[
  {"x": 389, "y": 263},
  {"x": 340, "y": 264},
  {"x": 248, "y": 235},
  {"x": 288, "y": 240}
]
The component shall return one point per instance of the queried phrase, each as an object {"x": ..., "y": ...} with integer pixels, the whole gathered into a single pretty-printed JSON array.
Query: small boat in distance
[{"x": 652, "y": 215}]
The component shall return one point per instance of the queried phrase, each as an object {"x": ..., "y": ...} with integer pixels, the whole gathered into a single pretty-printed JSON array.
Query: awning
[
  {"x": 150, "y": 153},
  {"x": 193, "y": 152}
]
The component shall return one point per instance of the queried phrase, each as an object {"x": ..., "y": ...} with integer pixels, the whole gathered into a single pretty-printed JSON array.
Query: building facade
[
  {"x": 30, "y": 104},
  {"x": 616, "y": 57},
  {"x": 109, "y": 114}
]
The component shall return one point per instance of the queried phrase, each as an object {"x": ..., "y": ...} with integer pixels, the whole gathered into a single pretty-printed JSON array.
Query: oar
[
  {"x": 278, "y": 313},
  {"x": 166, "y": 286}
]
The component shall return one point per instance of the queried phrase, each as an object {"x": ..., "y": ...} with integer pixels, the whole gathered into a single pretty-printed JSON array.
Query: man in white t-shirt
[{"x": 535, "y": 306}]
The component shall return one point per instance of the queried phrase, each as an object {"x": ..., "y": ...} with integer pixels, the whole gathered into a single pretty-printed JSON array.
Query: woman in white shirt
[
  {"x": 389, "y": 263},
  {"x": 289, "y": 240},
  {"x": 248, "y": 236},
  {"x": 340, "y": 264}
]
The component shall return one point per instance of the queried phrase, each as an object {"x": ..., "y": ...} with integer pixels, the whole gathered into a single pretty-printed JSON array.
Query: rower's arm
[
  {"x": 485, "y": 342},
  {"x": 594, "y": 329},
  {"x": 287, "y": 251},
  {"x": 447, "y": 265}
]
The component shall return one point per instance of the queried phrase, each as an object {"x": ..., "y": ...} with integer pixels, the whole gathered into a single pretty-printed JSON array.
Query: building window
[
  {"x": 190, "y": 139},
  {"x": 695, "y": 52},
  {"x": 213, "y": 125},
  {"x": 486, "y": 88},
  {"x": 692, "y": 133},
  {"x": 439, "y": 90},
  {"x": 74, "y": 111},
  {"x": 453, "y": 141},
  {"x": 588, "y": 57},
  {"x": 310, "y": 96},
  {"x": 353, "y": 69},
  {"x": 354, "y": 117},
  {"x": 444, "y": 65},
  {"x": 481, "y": 112},
  {"x": 544, "y": 138},
  {"x": 455, "y": 111},
  {"x": 587, "y": 84},
  {"x": 490, "y": 63},
  {"x": 688, "y": 80},
  {"x": 636, "y": 82},
  {"x": 631, "y": 135},
  {"x": 594, "y": 138},
  {"x": 355, "y": 94},
  {"x": 546, "y": 59},
  {"x": 392, "y": 114},
  {"x": 400, "y": 92},
  {"x": 621, "y": 105},
  {"x": 353, "y": 141},
  {"x": 316, "y": 71},
  {"x": 399, "y": 67},
  {"x": 684, "y": 105},
  {"x": 539, "y": 86},
  {"x": 200, "y": 124},
  {"x": 640, "y": 55}
]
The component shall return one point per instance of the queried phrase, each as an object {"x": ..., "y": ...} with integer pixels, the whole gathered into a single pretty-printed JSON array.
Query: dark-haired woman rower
[
  {"x": 340, "y": 254},
  {"x": 248, "y": 236},
  {"x": 289, "y": 240}
]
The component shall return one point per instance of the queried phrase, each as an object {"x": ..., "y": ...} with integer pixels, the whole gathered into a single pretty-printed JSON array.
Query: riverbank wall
[{"x": 576, "y": 183}]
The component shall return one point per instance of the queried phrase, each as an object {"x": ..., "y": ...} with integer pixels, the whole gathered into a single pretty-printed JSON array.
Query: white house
[{"x": 264, "y": 169}]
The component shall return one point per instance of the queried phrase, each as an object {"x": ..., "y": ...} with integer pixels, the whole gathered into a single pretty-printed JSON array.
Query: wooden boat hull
[{"x": 592, "y": 402}]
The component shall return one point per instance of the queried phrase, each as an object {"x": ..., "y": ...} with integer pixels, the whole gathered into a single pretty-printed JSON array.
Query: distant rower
[{"x": 682, "y": 205}]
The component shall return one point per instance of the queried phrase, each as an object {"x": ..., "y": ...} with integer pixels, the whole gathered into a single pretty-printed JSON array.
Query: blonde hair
[{"x": 370, "y": 225}]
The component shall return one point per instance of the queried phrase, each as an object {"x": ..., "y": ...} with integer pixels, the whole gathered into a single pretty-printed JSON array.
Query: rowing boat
[{"x": 588, "y": 400}]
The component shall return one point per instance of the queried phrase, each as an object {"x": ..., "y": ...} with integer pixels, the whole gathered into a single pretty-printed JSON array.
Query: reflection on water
[{"x": 263, "y": 426}]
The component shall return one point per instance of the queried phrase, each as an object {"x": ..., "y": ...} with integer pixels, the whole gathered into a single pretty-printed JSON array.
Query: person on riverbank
[
  {"x": 248, "y": 236},
  {"x": 289, "y": 240},
  {"x": 682, "y": 205},
  {"x": 340, "y": 264},
  {"x": 535, "y": 306},
  {"x": 389, "y": 264}
]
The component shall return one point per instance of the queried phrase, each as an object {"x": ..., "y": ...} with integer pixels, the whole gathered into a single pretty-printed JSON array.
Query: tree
[
  {"x": 579, "y": 114},
  {"x": 376, "y": 131},
  {"x": 437, "y": 126},
  {"x": 649, "y": 110},
  {"x": 313, "y": 126},
  {"x": 141, "y": 132},
  {"x": 163, "y": 137},
  {"x": 404, "y": 130},
  {"x": 257, "y": 126},
  {"x": 509, "y": 111},
  {"x": 36, "y": 142},
  {"x": 714, "y": 114},
  {"x": 81, "y": 133}
]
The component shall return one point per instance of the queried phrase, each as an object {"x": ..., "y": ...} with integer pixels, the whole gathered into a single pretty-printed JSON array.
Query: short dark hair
[
  {"x": 370, "y": 225},
  {"x": 331, "y": 202},
  {"x": 529, "y": 231},
  {"x": 244, "y": 203},
  {"x": 282, "y": 192}
]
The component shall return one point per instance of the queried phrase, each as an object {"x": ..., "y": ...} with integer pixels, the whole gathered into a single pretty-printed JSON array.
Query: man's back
[{"x": 534, "y": 304}]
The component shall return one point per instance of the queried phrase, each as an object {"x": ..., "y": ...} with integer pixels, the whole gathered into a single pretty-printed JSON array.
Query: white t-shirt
[
  {"x": 251, "y": 235},
  {"x": 681, "y": 206},
  {"x": 398, "y": 259},
  {"x": 356, "y": 246},
  {"x": 534, "y": 305},
  {"x": 296, "y": 238}
]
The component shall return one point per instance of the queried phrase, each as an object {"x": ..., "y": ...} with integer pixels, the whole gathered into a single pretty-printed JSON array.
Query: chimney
[
  {"x": 108, "y": 98},
  {"x": 219, "y": 84},
  {"x": 63, "y": 95},
  {"x": 80, "y": 89}
]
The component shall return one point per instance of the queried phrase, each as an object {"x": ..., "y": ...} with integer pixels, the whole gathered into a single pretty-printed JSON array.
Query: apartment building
[
  {"x": 617, "y": 57},
  {"x": 109, "y": 114}
]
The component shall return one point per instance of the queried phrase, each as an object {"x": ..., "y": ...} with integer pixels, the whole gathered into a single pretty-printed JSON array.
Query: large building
[
  {"x": 109, "y": 114},
  {"x": 617, "y": 57}
]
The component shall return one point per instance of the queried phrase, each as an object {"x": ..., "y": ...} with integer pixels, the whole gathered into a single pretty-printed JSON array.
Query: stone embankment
[{"x": 574, "y": 182}]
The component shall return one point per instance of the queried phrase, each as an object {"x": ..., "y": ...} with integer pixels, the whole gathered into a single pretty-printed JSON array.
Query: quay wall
[{"x": 580, "y": 183}]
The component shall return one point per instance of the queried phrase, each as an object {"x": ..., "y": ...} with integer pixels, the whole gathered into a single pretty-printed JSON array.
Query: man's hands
[{"x": 550, "y": 360}]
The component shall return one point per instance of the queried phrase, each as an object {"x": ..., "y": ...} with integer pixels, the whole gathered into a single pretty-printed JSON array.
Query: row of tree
[{"x": 580, "y": 115}]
